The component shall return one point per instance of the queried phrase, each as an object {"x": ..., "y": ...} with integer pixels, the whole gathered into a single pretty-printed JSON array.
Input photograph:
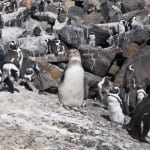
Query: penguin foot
[
  {"x": 84, "y": 103},
  {"x": 67, "y": 107}
]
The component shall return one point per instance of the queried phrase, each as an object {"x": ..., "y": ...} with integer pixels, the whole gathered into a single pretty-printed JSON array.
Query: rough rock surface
[
  {"x": 31, "y": 121},
  {"x": 96, "y": 59}
]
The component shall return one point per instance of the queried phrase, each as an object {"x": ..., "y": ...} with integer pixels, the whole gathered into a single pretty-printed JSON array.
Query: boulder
[
  {"x": 48, "y": 78},
  {"x": 129, "y": 50},
  {"x": 16, "y": 18},
  {"x": 34, "y": 46},
  {"x": 101, "y": 35},
  {"x": 75, "y": 11},
  {"x": 72, "y": 35},
  {"x": 93, "y": 18},
  {"x": 92, "y": 81},
  {"x": 113, "y": 70},
  {"x": 45, "y": 16},
  {"x": 137, "y": 35},
  {"x": 11, "y": 33},
  {"x": 96, "y": 59},
  {"x": 130, "y": 5}
]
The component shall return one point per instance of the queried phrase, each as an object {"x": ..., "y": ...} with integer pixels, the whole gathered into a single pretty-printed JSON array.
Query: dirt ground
[{"x": 34, "y": 121}]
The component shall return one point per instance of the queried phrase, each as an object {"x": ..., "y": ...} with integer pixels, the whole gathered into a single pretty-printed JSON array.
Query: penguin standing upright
[
  {"x": 71, "y": 88},
  {"x": 41, "y": 6},
  {"x": 1, "y": 25}
]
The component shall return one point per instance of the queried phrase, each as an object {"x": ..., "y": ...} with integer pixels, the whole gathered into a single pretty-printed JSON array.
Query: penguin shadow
[
  {"x": 8, "y": 90},
  {"x": 106, "y": 117}
]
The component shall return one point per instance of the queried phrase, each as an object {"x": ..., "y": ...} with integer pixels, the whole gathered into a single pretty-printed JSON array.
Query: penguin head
[
  {"x": 13, "y": 45},
  {"x": 131, "y": 68},
  {"x": 74, "y": 55},
  {"x": 15, "y": 74},
  {"x": 91, "y": 8},
  {"x": 29, "y": 74},
  {"x": 92, "y": 35},
  {"x": 115, "y": 90}
]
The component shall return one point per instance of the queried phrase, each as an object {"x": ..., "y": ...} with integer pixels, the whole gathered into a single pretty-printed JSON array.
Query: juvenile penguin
[
  {"x": 92, "y": 39},
  {"x": 71, "y": 88},
  {"x": 114, "y": 106}
]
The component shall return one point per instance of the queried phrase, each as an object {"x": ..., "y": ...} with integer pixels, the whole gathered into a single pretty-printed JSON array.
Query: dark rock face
[
  {"x": 93, "y": 18},
  {"x": 16, "y": 18},
  {"x": 96, "y": 60},
  {"x": 137, "y": 35},
  {"x": 129, "y": 50},
  {"x": 72, "y": 35},
  {"x": 91, "y": 83},
  {"x": 129, "y": 5},
  {"x": 101, "y": 36},
  {"x": 47, "y": 16},
  {"x": 75, "y": 11}
]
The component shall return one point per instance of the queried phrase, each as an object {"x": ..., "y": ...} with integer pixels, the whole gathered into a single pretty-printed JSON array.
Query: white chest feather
[
  {"x": 115, "y": 110},
  {"x": 72, "y": 88}
]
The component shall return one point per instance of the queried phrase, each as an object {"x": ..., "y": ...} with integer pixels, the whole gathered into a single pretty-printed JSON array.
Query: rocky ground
[{"x": 34, "y": 121}]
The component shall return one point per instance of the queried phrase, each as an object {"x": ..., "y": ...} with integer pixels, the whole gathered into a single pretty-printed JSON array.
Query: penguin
[
  {"x": 71, "y": 88},
  {"x": 139, "y": 125},
  {"x": 1, "y": 25},
  {"x": 10, "y": 73},
  {"x": 92, "y": 39},
  {"x": 14, "y": 55},
  {"x": 104, "y": 87},
  {"x": 140, "y": 94},
  {"x": 136, "y": 24},
  {"x": 115, "y": 106},
  {"x": 10, "y": 6},
  {"x": 60, "y": 47},
  {"x": 121, "y": 27},
  {"x": 41, "y": 6}
]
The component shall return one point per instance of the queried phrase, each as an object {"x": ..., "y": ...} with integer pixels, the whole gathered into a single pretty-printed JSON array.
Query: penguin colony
[{"x": 71, "y": 88}]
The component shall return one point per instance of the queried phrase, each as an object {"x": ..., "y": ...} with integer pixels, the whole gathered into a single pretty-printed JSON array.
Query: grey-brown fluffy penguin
[{"x": 71, "y": 88}]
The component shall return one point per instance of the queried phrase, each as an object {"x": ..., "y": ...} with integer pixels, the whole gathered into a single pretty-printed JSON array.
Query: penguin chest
[
  {"x": 74, "y": 79},
  {"x": 72, "y": 88}
]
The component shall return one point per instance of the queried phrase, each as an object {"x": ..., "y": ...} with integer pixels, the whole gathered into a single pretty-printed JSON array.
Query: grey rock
[
  {"x": 72, "y": 35},
  {"x": 75, "y": 11},
  {"x": 11, "y": 33},
  {"x": 96, "y": 59},
  {"x": 45, "y": 16},
  {"x": 16, "y": 18},
  {"x": 34, "y": 46},
  {"x": 130, "y": 5}
]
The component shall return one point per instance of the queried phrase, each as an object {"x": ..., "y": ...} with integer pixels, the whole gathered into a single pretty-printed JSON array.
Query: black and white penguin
[
  {"x": 115, "y": 106},
  {"x": 1, "y": 25},
  {"x": 52, "y": 48},
  {"x": 122, "y": 27},
  {"x": 14, "y": 55},
  {"x": 41, "y": 6},
  {"x": 60, "y": 47},
  {"x": 10, "y": 6},
  {"x": 140, "y": 93},
  {"x": 90, "y": 8},
  {"x": 136, "y": 23},
  {"x": 71, "y": 87},
  {"x": 61, "y": 20},
  {"x": 92, "y": 39},
  {"x": 139, "y": 125},
  {"x": 10, "y": 73}
]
